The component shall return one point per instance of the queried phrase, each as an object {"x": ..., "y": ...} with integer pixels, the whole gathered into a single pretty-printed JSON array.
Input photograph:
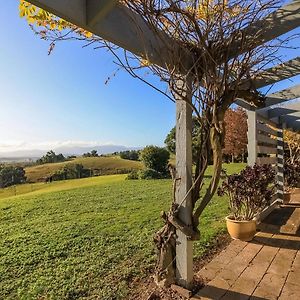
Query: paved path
[{"x": 266, "y": 268}]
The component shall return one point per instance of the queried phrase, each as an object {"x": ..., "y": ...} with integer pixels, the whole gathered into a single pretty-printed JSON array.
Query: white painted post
[
  {"x": 280, "y": 163},
  {"x": 184, "y": 247},
  {"x": 252, "y": 137}
]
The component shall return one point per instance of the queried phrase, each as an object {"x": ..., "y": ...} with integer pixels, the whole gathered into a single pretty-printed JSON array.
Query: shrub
[
  {"x": 292, "y": 175},
  {"x": 93, "y": 153},
  {"x": 11, "y": 175},
  {"x": 155, "y": 158},
  {"x": 71, "y": 171},
  {"x": 133, "y": 175},
  {"x": 249, "y": 192},
  {"x": 51, "y": 157},
  {"x": 150, "y": 174},
  {"x": 130, "y": 154}
]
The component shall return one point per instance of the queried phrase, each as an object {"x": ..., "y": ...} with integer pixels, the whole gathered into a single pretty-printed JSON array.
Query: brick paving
[{"x": 266, "y": 268}]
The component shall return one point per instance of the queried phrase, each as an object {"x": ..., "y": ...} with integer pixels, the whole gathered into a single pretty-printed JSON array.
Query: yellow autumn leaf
[{"x": 88, "y": 34}]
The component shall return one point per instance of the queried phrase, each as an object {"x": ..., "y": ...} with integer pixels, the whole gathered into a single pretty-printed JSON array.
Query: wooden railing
[{"x": 265, "y": 146}]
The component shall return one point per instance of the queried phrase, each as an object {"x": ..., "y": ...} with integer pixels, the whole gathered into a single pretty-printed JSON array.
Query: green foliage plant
[{"x": 155, "y": 158}]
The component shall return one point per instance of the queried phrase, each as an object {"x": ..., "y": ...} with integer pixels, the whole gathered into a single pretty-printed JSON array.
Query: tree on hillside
[
  {"x": 11, "y": 175},
  {"x": 155, "y": 158},
  {"x": 292, "y": 143},
  {"x": 130, "y": 154},
  {"x": 170, "y": 140},
  {"x": 236, "y": 140},
  {"x": 51, "y": 157},
  {"x": 212, "y": 58},
  {"x": 71, "y": 171},
  {"x": 93, "y": 153}
]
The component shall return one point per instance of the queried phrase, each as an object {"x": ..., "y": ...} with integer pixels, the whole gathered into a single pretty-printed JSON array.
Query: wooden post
[
  {"x": 252, "y": 137},
  {"x": 280, "y": 162},
  {"x": 184, "y": 247}
]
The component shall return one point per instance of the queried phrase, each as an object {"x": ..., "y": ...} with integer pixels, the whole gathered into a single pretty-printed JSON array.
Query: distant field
[
  {"x": 87, "y": 238},
  {"x": 101, "y": 165}
]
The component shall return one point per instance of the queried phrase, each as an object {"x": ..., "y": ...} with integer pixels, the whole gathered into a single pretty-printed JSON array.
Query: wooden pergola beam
[
  {"x": 277, "y": 73},
  {"x": 274, "y": 113},
  {"x": 292, "y": 122},
  {"x": 281, "y": 111},
  {"x": 272, "y": 75},
  {"x": 96, "y": 10},
  {"x": 279, "y": 22},
  {"x": 294, "y": 126},
  {"x": 284, "y": 95},
  {"x": 288, "y": 94},
  {"x": 119, "y": 25}
]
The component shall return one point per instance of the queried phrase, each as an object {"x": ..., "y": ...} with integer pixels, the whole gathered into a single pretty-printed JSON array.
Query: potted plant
[
  {"x": 249, "y": 192},
  {"x": 291, "y": 180}
]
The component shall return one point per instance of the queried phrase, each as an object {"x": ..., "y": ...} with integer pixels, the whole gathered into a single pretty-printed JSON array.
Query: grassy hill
[
  {"x": 100, "y": 165},
  {"x": 87, "y": 238},
  {"x": 42, "y": 188}
]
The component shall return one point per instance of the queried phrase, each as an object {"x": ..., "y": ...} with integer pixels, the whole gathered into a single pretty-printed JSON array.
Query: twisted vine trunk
[
  {"x": 165, "y": 239},
  {"x": 216, "y": 141}
]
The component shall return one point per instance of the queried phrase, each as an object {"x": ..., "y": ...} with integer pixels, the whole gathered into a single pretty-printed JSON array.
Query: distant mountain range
[{"x": 25, "y": 155}]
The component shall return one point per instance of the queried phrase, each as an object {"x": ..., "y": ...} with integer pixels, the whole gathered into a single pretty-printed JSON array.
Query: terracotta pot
[{"x": 241, "y": 230}]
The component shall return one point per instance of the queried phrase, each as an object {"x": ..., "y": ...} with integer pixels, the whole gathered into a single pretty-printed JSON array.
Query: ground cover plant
[{"x": 88, "y": 238}]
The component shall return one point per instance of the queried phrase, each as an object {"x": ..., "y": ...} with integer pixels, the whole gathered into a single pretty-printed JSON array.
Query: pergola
[
  {"x": 265, "y": 133},
  {"x": 112, "y": 21}
]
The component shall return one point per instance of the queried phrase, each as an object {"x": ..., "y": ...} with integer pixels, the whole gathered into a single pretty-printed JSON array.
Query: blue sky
[
  {"x": 46, "y": 101},
  {"x": 63, "y": 97}
]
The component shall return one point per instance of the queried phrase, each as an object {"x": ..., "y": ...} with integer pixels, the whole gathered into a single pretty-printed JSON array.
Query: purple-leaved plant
[{"x": 249, "y": 192}]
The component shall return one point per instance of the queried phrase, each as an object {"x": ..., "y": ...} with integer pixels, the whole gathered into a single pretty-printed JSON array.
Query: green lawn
[
  {"x": 86, "y": 239},
  {"x": 38, "y": 188}
]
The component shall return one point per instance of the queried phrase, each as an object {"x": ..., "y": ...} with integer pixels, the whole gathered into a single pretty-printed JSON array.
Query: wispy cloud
[{"x": 23, "y": 146}]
